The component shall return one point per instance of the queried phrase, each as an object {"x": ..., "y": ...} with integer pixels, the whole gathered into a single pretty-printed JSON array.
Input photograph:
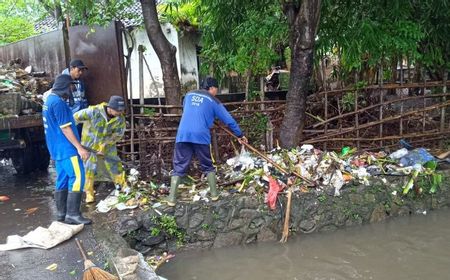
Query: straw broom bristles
[{"x": 91, "y": 271}]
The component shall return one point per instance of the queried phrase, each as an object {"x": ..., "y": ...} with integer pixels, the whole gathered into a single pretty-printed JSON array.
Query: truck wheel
[
  {"x": 23, "y": 161},
  {"x": 42, "y": 156}
]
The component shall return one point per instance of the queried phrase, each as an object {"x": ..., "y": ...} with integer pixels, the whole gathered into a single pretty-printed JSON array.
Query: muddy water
[
  {"x": 32, "y": 193},
  {"x": 416, "y": 247}
]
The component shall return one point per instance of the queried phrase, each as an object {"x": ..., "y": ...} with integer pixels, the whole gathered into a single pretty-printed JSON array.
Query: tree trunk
[
  {"x": 303, "y": 18},
  {"x": 164, "y": 50}
]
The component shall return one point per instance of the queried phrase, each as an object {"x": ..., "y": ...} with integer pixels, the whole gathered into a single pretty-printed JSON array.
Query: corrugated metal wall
[
  {"x": 101, "y": 51},
  {"x": 44, "y": 52}
]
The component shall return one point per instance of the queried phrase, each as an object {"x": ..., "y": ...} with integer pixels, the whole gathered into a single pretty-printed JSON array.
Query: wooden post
[
  {"x": 269, "y": 136},
  {"x": 326, "y": 118},
  {"x": 141, "y": 77},
  {"x": 358, "y": 144},
  {"x": 380, "y": 86},
  {"x": 401, "y": 96},
  {"x": 261, "y": 96},
  {"x": 423, "y": 115},
  {"x": 444, "y": 98},
  {"x": 132, "y": 119},
  {"x": 215, "y": 146}
]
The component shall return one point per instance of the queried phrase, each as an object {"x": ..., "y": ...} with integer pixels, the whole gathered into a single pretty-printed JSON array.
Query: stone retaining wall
[{"x": 240, "y": 219}]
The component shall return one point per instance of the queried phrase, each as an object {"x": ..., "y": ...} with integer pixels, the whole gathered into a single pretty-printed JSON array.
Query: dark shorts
[{"x": 183, "y": 154}]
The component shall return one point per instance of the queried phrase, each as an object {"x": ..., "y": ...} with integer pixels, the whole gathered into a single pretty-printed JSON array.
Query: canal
[{"x": 414, "y": 247}]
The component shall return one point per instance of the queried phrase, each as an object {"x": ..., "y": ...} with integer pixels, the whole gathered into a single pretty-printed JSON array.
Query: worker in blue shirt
[
  {"x": 77, "y": 100},
  {"x": 63, "y": 143},
  {"x": 200, "y": 109}
]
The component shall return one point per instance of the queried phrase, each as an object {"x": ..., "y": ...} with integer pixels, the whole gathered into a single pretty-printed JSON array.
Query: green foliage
[
  {"x": 434, "y": 17},
  {"x": 150, "y": 112},
  {"x": 206, "y": 226},
  {"x": 348, "y": 101},
  {"x": 255, "y": 126},
  {"x": 169, "y": 225},
  {"x": 123, "y": 198},
  {"x": 368, "y": 33},
  {"x": 16, "y": 19},
  {"x": 155, "y": 231},
  {"x": 432, "y": 180},
  {"x": 241, "y": 36},
  {"x": 181, "y": 14},
  {"x": 322, "y": 198},
  {"x": 15, "y": 28},
  {"x": 99, "y": 12}
]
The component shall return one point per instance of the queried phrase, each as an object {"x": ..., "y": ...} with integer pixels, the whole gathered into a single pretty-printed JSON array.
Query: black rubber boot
[
  {"x": 61, "y": 205},
  {"x": 73, "y": 215}
]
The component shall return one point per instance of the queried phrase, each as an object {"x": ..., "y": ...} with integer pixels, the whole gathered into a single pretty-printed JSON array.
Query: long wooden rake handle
[{"x": 253, "y": 149}]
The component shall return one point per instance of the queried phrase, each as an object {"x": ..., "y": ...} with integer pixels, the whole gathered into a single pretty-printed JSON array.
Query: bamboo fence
[{"x": 370, "y": 118}]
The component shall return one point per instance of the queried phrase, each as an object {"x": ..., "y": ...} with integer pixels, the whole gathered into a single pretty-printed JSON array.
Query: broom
[{"x": 91, "y": 271}]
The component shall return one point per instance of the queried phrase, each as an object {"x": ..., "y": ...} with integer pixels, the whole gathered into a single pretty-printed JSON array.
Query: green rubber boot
[
  {"x": 172, "y": 198},
  {"x": 212, "y": 183}
]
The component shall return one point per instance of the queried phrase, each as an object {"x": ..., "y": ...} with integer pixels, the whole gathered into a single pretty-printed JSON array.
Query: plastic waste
[
  {"x": 274, "y": 189},
  {"x": 416, "y": 156},
  {"x": 243, "y": 161},
  {"x": 308, "y": 148},
  {"x": 405, "y": 144},
  {"x": 399, "y": 153}
]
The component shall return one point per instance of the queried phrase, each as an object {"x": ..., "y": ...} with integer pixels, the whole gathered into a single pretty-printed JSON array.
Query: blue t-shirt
[
  {"x": 56, "y": 115},
  {"x": 200, "y": 109}
]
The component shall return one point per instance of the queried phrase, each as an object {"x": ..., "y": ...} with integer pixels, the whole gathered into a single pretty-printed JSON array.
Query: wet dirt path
[{"x": 34, "y": 193}]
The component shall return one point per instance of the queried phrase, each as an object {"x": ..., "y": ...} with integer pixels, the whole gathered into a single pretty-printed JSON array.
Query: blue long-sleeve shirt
[{"x": 200, "y": 109}]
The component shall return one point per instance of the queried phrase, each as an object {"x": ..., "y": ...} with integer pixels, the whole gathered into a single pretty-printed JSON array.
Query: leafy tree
[
  {"x": 434, "y": 18},
  {"x": 182, "y": 15},
  {"x": 15, "y": 28},
  {"x": 303, "y": 19},
  {"x": 16, "y": 19},
  {"x": 164, "y": 50},
  {"x": 368, "y": 34},
  {"x": 241, "y": 36}
]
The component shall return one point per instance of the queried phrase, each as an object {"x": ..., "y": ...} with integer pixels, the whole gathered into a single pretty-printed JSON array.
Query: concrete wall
[
  {"x": 186, "y": 61},
  {"x": 188, "y": 57},
  {"x": 243, "y": 219}
]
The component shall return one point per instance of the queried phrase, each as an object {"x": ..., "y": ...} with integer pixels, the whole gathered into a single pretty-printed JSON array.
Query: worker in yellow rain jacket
[{"x": 103, "y": 125}]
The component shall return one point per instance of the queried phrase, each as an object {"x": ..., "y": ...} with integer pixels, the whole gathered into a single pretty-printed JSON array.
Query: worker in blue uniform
[
  {"x": 63, "y": 143},
  {"x": 200, "y": 109}
]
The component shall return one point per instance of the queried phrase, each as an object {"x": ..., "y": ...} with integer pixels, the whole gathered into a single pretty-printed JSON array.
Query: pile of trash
[
  {"x": 329, "y": 170},
  {"x": 21, "y": 90},
  {"x": 137, "y": 193}
]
